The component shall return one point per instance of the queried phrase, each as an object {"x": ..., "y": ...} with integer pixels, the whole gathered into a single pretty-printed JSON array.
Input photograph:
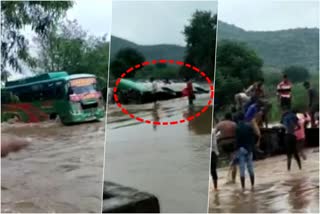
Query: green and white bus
[{"x": 73, "y": 98}]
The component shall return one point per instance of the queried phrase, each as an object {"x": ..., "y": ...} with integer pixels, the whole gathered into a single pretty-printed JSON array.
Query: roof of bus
[{"x": 42, "y": 78}]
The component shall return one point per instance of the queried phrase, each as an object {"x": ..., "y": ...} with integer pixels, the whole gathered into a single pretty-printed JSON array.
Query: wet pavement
[
  {"x": 276, "y": 190},
  {"x": 171, "y": 162},
  {"x": 60, "y": 171}
]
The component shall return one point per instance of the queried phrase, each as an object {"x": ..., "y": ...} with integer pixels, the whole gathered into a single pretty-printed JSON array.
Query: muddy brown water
[
  {"x": 171, "y": 162},
  {"x": 276, "y": 190},
  {"x": 61, "y": 170}
]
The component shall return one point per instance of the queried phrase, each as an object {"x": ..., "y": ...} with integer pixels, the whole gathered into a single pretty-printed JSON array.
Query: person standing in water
[
  {"x": 214, "y": 160},
  {"x": 190, "y": 91},
  {"x": 291, "y": 123},
  {"x": 313, "y": 103},
  {"x": 226, "y": 129},
  {"x": 303, "y": 120},
  {"x": 154, "y": 89},
  {"x": 245, "y": 141},
  {"x": 254, "y": 115}
]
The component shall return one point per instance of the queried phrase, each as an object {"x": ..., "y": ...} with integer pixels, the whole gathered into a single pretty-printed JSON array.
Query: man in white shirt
[{"x": 154, "y": 89}]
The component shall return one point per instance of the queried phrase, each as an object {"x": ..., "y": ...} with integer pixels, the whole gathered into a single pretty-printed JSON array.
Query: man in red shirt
[
  {"x": 284, "y": 92},
  {"x": 190, "y": 91}
]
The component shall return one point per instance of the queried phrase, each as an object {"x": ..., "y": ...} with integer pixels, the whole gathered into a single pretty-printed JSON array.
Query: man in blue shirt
[
  {"x": 245, "y": 141},
  {"x": 254, "y": 115}
]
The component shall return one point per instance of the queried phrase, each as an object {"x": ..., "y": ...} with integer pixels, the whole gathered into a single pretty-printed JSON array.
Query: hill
[
  {"x": 151, "y": 52},
  {"x": 278, "y": 49}
]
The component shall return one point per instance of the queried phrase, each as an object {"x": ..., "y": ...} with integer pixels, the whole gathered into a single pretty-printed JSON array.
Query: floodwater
[
  {"x": 276, "y": 190},
  {"x": 60, "y": 171},
  {"x": 171, "y": 162}
]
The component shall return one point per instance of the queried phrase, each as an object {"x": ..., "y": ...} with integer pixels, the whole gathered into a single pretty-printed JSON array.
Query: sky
[
  {"x": 162, "y": 22},
  {"x": 93, "y": 15},
  {"x": 155, "y": 22},
  {"x": 269, "y": 15}
]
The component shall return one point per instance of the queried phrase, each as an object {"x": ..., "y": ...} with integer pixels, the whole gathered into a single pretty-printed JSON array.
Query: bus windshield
[
  {"x": 84, "y": 89},
  {"x": 84, "y": 85}
]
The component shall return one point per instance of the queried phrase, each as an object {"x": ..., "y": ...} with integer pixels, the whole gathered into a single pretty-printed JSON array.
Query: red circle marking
[{"x": 164, "y": 123}]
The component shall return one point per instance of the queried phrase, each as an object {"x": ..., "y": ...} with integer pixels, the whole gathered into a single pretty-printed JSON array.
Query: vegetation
[
  {"x": 68, "y": 48},
  {"x": 200, "y": 51},
  {"x": 279, "y": 49},
  {"x": 41, "y": 16},
  {"x": 237, "y": 67},
  {"x": 150, "y": 52},
  {"x": 299, "y": 93},
  {"x": 297, "y": 73},
  {"x": 200, "y": 36},
  {"x": 124, "y": 59},
  {"x": 158, "y": 73}
]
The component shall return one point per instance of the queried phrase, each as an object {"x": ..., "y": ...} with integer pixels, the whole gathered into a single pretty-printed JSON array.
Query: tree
[
  {"x": 125, "y": 59},
  {"x": 15, "y": 15},
  {"x": 237, "y": 68},
  {"x": 63, "y": 48},
  {"x": 68, "y": 48},
  {"x": 200, "y": 36},
  {"x": 297, "y": 73}
]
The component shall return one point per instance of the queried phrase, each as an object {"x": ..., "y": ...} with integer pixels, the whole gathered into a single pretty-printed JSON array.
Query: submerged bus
[{"x": 73, "y": 98}]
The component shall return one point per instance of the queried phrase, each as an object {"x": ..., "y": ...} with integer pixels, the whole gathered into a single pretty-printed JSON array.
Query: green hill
[
  {"x": 278, "y": 49},
  {"x": 151, "y": 52}
]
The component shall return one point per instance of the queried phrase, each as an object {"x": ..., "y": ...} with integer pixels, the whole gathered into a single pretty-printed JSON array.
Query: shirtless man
[{"x": 226, "y": 129}]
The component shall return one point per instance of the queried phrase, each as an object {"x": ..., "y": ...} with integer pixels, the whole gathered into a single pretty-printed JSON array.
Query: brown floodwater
[
  {"x": 276, "y": 190},
  {"x": 60, "y": 171},
  {"x": 171, "y": 162}
]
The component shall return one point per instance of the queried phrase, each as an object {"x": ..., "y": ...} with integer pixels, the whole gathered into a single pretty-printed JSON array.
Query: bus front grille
[{"x": 89, "y": 106}]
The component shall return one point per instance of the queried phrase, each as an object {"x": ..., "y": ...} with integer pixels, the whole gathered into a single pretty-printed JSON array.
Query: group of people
[
  {"x": 242, "y": 131},
  {"x": 241, "y": 135}
]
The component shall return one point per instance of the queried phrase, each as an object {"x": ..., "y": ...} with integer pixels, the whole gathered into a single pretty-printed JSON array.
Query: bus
[{"x": 72, "y": 98}]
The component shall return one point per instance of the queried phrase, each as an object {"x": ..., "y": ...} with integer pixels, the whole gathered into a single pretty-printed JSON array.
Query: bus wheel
[
  {"x": 63, "y": 121},
  {"x": 53, "y": 116}
]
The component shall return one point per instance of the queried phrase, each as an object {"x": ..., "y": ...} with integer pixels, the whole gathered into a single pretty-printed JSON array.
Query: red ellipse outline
[{"x": 164, "y": 123}]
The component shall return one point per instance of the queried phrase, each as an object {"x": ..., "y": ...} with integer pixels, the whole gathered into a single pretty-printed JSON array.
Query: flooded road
[
  {"x": 276, "y": 190},
  {"x": 60, "y": 171},
  {"x": 171, "y": 162}
]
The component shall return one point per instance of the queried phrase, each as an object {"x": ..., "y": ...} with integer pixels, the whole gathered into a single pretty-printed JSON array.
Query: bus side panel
[{"x": 24, "y": 112}]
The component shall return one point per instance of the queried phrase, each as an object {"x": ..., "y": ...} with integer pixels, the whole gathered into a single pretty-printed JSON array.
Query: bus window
[
  {"x": 25, "y": 94},
  {"x": 49, "y": 91},
  {"x": 60, "y": 90}
]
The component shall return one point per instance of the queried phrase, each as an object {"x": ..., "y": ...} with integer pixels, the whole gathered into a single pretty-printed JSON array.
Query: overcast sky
[
  {"x": 155, "y": 22},
  {"x": 93, "y": 15},
  {"x": 269, "y": 15}
]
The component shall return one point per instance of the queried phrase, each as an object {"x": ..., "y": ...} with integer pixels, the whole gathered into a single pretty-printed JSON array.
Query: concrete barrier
[{"x": 121, "y": 199}]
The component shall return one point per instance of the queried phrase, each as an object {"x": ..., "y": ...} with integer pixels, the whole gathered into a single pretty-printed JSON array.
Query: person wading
[
  {"x": 313, "y": 103},
  {"x": 214, "y": 160},
  {"x": 245, "y": 141},
  {"x": 190, "y": 91},
  {"x": 254, "y": 115},
  {"x": 303, "y": 120},
  {"x": 291, "y": 123},
  {"x": 226, "y": 129},
  {"x": 284, "y": 92},
  {"x": 154, "y": 89}
]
